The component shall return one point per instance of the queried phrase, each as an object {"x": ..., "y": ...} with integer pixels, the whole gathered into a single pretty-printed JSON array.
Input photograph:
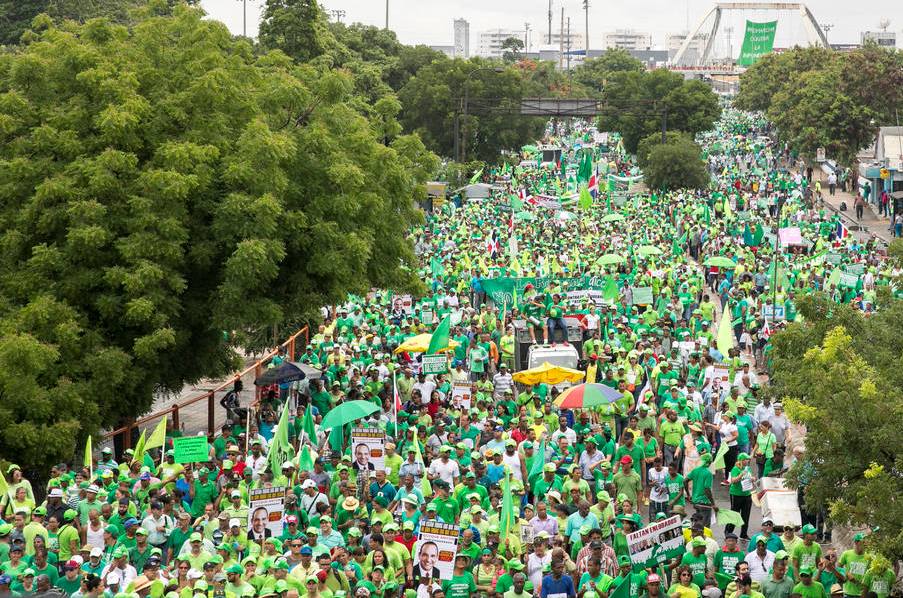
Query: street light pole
[
  {"x": 774, "y": 275},
  {"x": 387, "y": 14}
]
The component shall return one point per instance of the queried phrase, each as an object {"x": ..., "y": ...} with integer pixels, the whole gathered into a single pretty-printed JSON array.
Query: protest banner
[
  {"x": 849, "y": 280},
  {"x": 758, "y": 41},
  {"x": 833, "y": 258},
  {"x": 191, "y": 449},
  {"x": 434, "y": 552},
  {"x": 771, "y": 312},
  {"x": 720, "y": 375},
  {"x": 369, "y": 448},
  {"x": 642, "y": 295},
  {"x": 434, "y": 364},
  {"x": 427, "y": 316},
  {"x": 656, "y": 543},
  {"x": 265, "y": 509},
  {"x": 404, "y": 302},
  {"x": 461, "y": 395},
  {"x": 854, "y": 269}
]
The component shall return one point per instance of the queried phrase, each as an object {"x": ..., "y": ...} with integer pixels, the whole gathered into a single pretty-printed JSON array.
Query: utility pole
[
  {"x": 569, "y": 46},
  {"x": 387, "y": 14},
  {"x": 586, "y": 24},
  {"x": 550, "y": 22},
  {"x": 827, "y": 27},
  {"x": 244, "y": 18},
  {"x": 561, "y": 40},
  {"x": 339, "y": 14},
  {"x": 526, "y": 37}
]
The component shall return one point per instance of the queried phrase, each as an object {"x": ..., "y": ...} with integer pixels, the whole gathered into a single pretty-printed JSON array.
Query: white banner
[
  {"x": 462, "y": 393},
  {"x": 656, "y": 542},
  {"x": 434, "y": 552},
  {"x": 265, "y": 509},
  {"x": 368, "y": 450}
]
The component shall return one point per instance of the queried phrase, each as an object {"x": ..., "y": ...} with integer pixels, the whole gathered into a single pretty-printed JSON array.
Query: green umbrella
[
  {"x": 610, "y": 258},
  {"x": 613, "y": 218},
  {"x": 346, "y": 413},
  {"x": 528, "y": 216},
  {"x": 719, "y": 261},
  {"x": 649, "y": 250},
  {"x": 565, "y": 215}
]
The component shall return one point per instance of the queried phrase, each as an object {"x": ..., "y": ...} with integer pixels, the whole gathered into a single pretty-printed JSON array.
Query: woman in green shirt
[
  {"x": 462, "y": 584},
  {"x": 741, "y": 485}
]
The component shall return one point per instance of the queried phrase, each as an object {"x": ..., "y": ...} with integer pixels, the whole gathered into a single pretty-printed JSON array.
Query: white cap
[
  {"x": 308, "y": 484},
  {"x": 78, "y": 559},
  {"x": 92, "y": 488},
  {"x": 112, "y": 578},
  {"x": 235, "y": 522},
  {"x": 56, "y": 493},
  {"x": 96, "y": 552}
]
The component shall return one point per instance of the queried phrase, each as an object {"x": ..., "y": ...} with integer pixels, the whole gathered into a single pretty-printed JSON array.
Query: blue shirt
[
  {"x": 552, "y": 586},
  {"x": 576, "y": 521}
]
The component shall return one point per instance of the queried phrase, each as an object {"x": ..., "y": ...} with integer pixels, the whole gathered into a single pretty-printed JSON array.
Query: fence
[{"x": 125, "y": 436}]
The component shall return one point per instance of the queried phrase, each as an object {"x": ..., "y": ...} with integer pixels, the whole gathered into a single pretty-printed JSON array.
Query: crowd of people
[{"x": 690, "y": 419}]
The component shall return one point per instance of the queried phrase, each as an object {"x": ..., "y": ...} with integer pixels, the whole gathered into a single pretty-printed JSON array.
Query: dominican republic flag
[
  {"x": 593, "y": 186},
  {"x": 396, "y": 407},
  {"x": 526, "y": 197},
  {"x": 492, "y": 246},
  {"x": 842, "y": 231},
  {"x": 766, "y": 331}
]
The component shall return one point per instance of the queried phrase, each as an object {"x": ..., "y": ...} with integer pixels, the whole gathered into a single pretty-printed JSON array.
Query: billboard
[{"x": 757, "y": 42}]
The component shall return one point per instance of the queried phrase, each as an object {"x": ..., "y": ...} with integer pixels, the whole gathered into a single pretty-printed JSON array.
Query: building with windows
[
  {"x": 491, "y": 41},
  {"x": 628, "y": 39},
  {"x": 462, "y": 39},
  {"x": 885, "y": 39},
  {"x": 694, "y": 50}
]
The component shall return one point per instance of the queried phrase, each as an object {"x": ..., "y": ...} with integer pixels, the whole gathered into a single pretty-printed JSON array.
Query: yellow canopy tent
[
  {"x": 549, "y": 374},
  {"x": 420, "y": 343}
]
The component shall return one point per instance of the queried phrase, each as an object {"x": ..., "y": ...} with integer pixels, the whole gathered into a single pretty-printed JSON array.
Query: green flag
[
  {"x": 307, "y": 425},
  {"x": 516, "y": 204},
  {"x": 425, "y": 487},
  {"x": 622, "y": 590},
  {"x": 280, "y": 448},
  {"x": 586, "y": 200},
  {"x": 158, "y": 436},
  {"x": 539, "y": 458},
  {"x": 440, "y": 338},
  {"x": 337, "y": 439},
  {"x": 305, "y": 460},
  {"x": 89, "y": 459},
  {"x": 725, "y": 332},
  {"x": 476, "y": 176},
  {"x": 139, "y": 448},
  {"x": 610, "y": 291},
  {"x": 718, "y": 461},
  {"x": 507, "y": 516}
]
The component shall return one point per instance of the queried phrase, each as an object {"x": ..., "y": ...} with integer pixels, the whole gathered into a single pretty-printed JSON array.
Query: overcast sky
[{"x": 430, "y": 21}]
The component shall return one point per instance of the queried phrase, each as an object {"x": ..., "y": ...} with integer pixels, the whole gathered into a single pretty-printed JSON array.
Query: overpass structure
[{"x": 814, "y": 33}]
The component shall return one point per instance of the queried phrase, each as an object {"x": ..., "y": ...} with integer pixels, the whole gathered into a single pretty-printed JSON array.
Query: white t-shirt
[
  {"x": 658, "y": 488},
  {"x": 726, "y": 430},
  {"x": 447, "y": 472}
]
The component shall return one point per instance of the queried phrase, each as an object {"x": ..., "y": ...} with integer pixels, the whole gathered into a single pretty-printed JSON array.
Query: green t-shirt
[
  {"x": 879, "y": 583},
  {"x": 460, "y": 586},
  {"x": 726, "y": 562},
  {"x": 855, "y": 565},
  {"x": 813, "y": 590},
  {"x": 697, "y": 565},
  {"x": 675, "y": 488},
  {"x": 736, "y": 488},
  {"x": 700, "y": 478},
  {"x": 602, "y": 581},
  {"x": 672, "y": 432},
  {"x": 806, "y": 556},
  {"x": 67, "y": 535}
]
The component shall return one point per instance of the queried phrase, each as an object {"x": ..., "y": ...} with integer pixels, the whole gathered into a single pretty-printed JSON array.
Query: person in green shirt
[
  {"x": 462, "y": 583},
  {"x": 741, "y": 484},
  {"x": 807, "y": 587},
  {"x": 696, "y": 560},
  {"x": 879, "y": 579},
  {"x": 700, "y": 478},
  {"x": 855, "y": 563},
  {"x": 201, "y": 490},
  {"x": 71, "y": 580},
  {"x": 69, "y": 536},
  {"x": 807, "y": 554}
]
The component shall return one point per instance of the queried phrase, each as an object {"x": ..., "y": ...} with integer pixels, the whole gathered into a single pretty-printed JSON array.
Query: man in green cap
[
  {"x": 700, "y": 479},
  {"x": 807, "y": 554},
  {"x": 235, "y": 583},
  {"x": 855, "y": 563},
  {"x": 807, "y": 587}
]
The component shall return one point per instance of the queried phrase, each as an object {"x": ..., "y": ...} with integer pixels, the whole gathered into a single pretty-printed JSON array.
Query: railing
[{"x": 129, "y": 430}]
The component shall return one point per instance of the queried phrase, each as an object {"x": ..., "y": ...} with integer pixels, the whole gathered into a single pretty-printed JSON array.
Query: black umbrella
[{"x": 287, "y": 371}]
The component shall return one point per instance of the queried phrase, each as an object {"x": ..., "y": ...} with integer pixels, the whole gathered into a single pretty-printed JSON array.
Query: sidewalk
[{"x": 871, "y": 224}]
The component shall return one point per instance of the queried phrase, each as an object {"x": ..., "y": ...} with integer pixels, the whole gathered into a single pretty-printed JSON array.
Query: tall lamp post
[
  {"x": 774, "y": 276},
  {"x": 495, "y": 69}
]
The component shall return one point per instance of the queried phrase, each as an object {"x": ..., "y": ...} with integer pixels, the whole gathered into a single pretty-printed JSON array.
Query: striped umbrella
[{"x": 583, "y": 396}]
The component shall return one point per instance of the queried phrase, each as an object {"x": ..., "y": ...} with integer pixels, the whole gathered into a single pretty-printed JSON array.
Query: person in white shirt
[
  {"x": 764, "y": 411},
  {"x": 502, "y": 381},
  {"x": 121, "y": 567},
  {"x": 759, "y": 561},
  {"x": 426, "y": 388},
  {"x": 779, "y": 424},
  {"x": 158, "y": 526},
  {"x": 444, "y": 468}
]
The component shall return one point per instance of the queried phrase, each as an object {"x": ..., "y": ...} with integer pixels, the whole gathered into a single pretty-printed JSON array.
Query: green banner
[
  {"x": 501, "y": 290},
  {"x": 758, "y": 41},
  {"x": 191, "y": 449}
]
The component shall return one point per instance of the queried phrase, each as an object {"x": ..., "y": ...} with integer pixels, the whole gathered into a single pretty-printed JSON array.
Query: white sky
[{"x": 430, "y": 21}]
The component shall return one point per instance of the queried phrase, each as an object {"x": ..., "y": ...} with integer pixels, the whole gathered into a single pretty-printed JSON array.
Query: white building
[
  {"x": 627, "y": 39},
  {"x": 462, "y": 39},
  {"x": 885, "y": 39},
  {"x": 491, "y": 41},
  {"x": 694, "y": 51}
]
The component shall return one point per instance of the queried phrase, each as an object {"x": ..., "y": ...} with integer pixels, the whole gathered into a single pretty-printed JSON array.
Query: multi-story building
[
  {"x": 628, "y": 39},
  {"x": 462, "y": 39},
  {"x": 491, "y": 41},
  {"x": 694, "y": 51},
  {"x": 885, "y": 39}
]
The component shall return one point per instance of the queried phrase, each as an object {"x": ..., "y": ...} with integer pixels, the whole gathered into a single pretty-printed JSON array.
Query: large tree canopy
[
  {"x": 162, "y": 183},
  {"x": 636, "y": 101}
]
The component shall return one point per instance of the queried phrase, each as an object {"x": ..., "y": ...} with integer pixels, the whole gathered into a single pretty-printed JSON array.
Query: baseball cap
[{"x": 653, "y": 578}]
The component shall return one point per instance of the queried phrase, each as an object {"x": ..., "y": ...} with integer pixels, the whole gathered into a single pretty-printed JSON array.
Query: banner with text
[
  {"x": 265, "y": 509},
  {"x": 656, "y": 543},
  {"x": 758, "y": 41}
]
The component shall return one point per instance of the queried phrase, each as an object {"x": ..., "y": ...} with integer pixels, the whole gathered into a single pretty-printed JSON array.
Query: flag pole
[{"x": 395, "y": 402}]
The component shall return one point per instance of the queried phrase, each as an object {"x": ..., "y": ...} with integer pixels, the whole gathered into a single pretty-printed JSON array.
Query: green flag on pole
[
  {"x": 725, "y": 332},
  {"x": 89, "y": 459},
  {"x": 307, "y": 425},
  {"x": 507, "y": 516},
  {"x": 280, "y": 448},
  {"x": 440, "y": 338}
]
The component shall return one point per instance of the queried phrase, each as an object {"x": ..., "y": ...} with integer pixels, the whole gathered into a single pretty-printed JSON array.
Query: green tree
[
  {"x": 433, "y": 99},
  {"x": 16, "y": 17},
  {"x": 676, "y": 164},
  {"x": 297, "y": 27},
  {"x": 513, "y": 48},
  {"x": 593, "y": 73},
  {"x": 772, "y": 72},
  {"x": 635, "y": 102},
  {"x": 648, "y": 143},
  {"x": 162, "y": 183}
]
